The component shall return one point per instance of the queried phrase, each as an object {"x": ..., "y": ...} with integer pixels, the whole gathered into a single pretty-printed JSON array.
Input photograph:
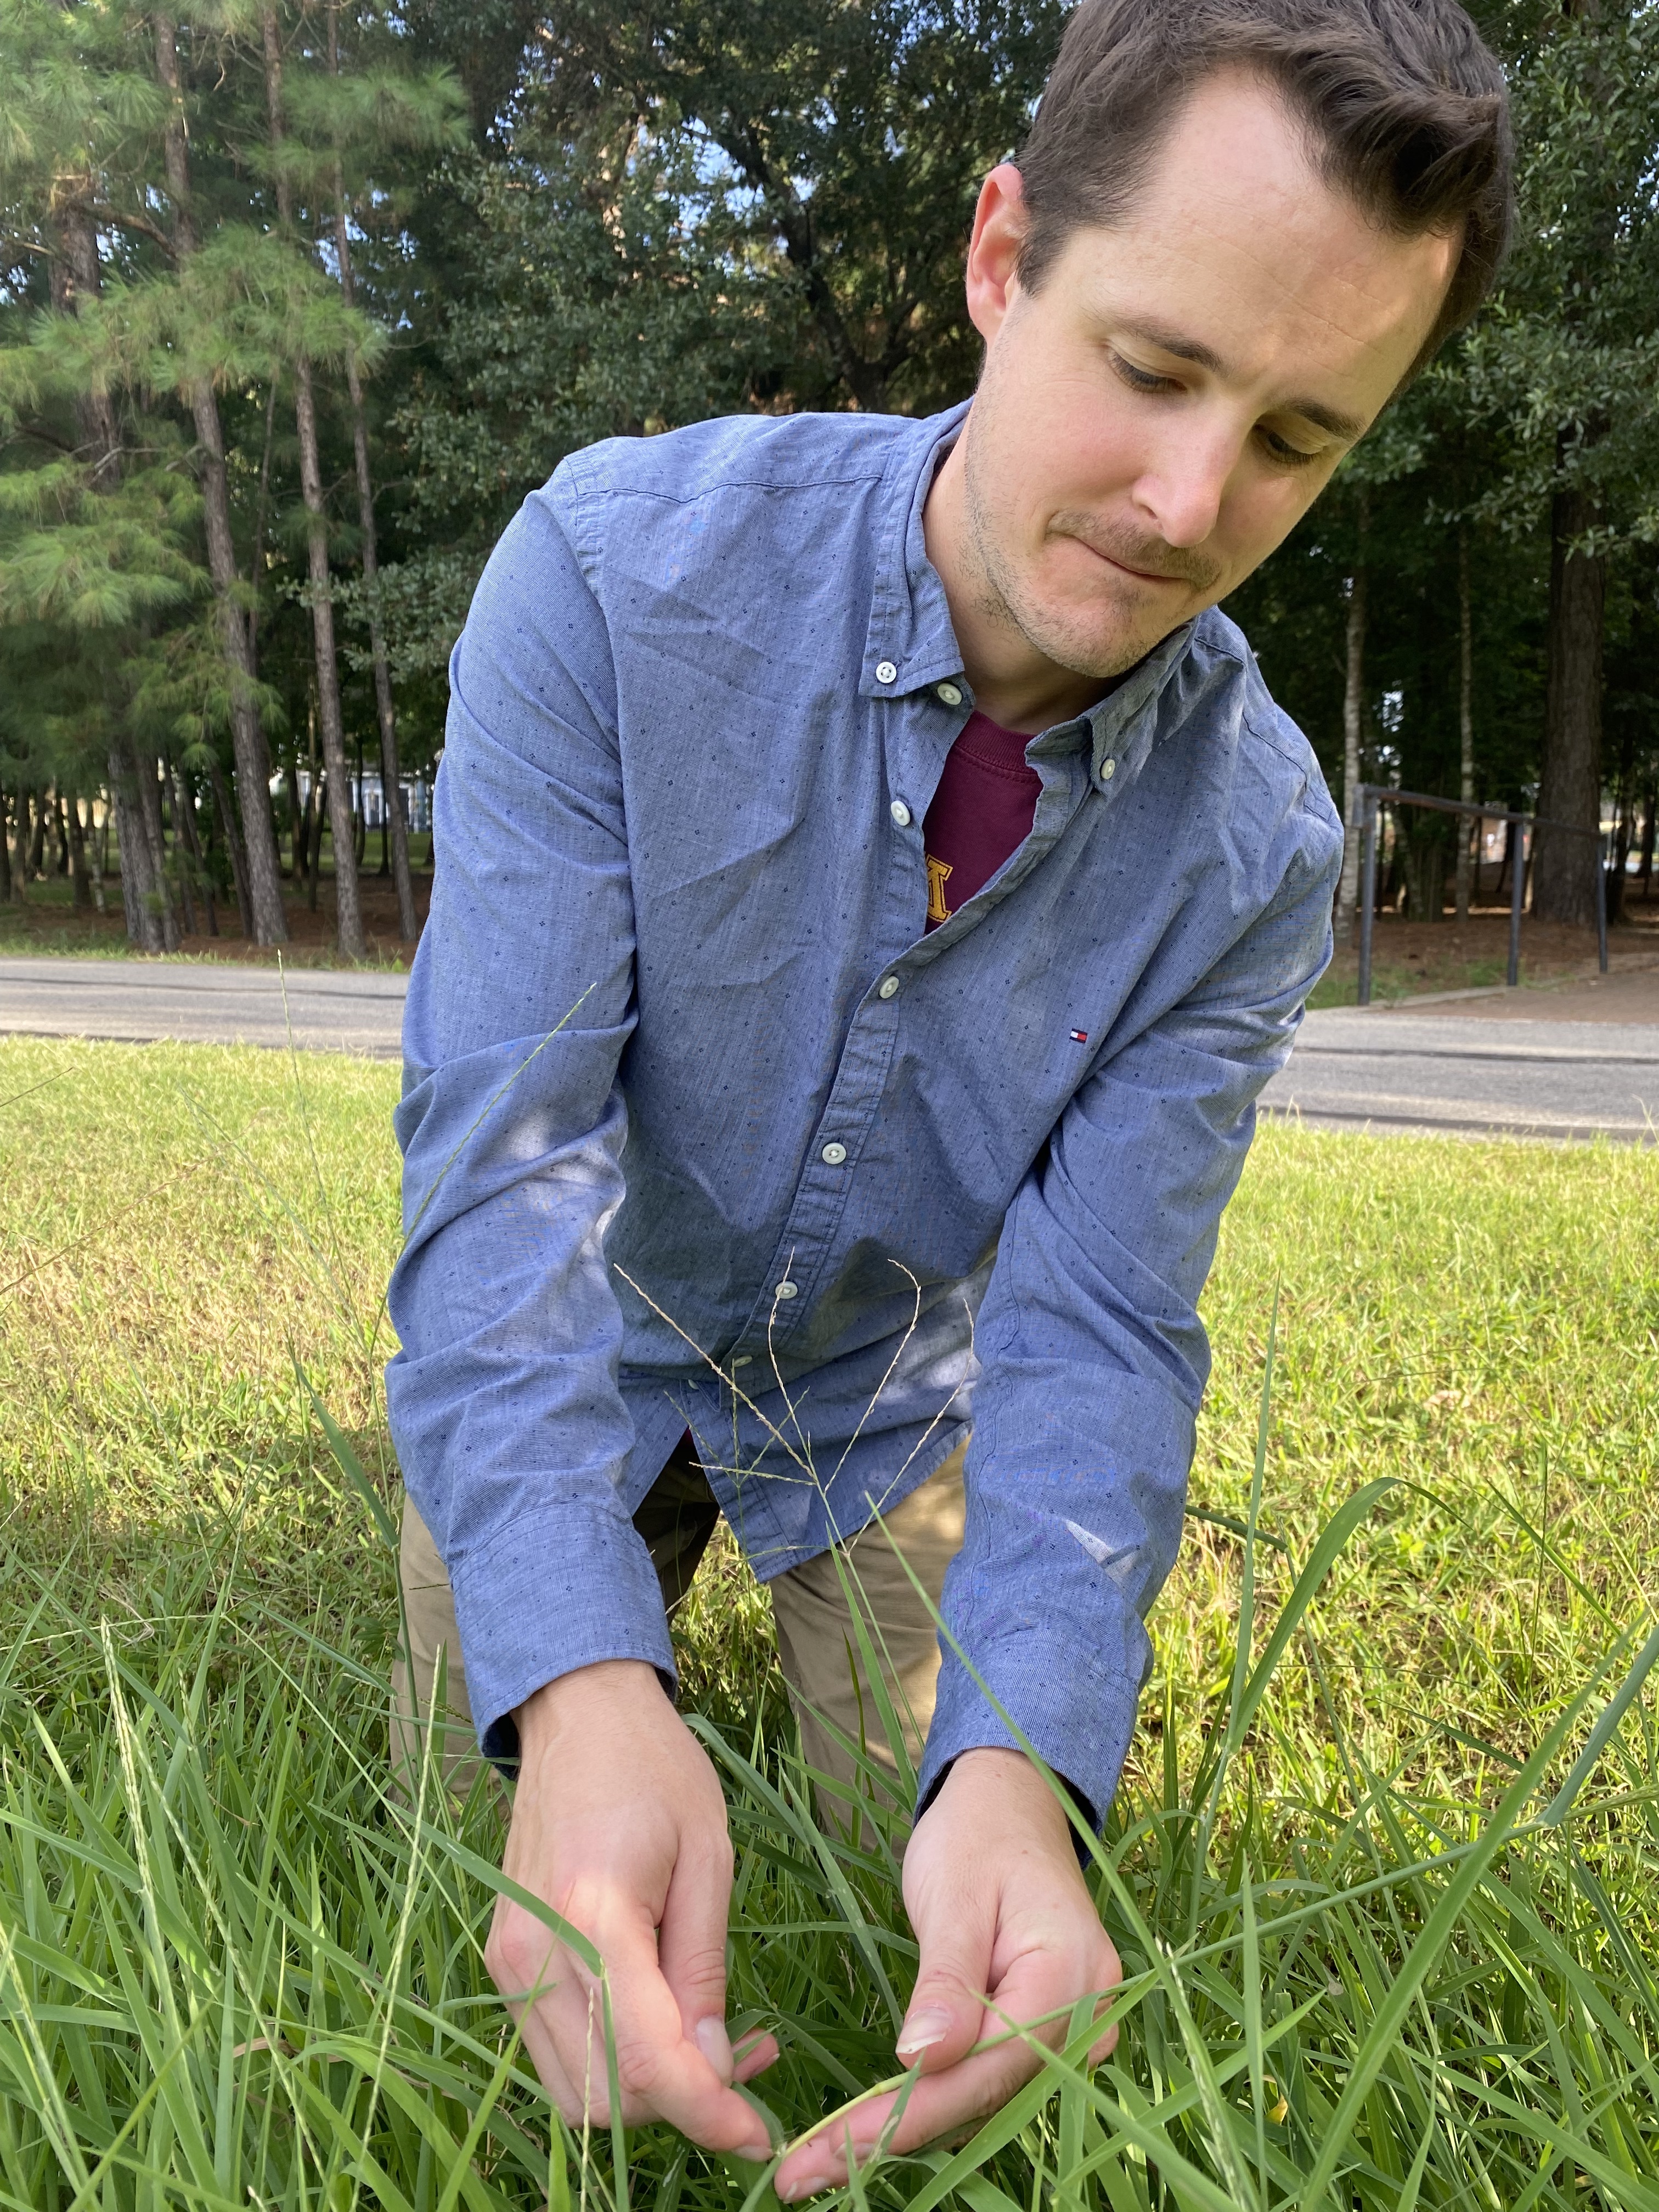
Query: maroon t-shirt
[{"x": 981, "y": 812}]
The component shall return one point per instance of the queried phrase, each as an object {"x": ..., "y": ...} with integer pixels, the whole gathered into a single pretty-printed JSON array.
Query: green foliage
[{"x": 608, "y": 220}]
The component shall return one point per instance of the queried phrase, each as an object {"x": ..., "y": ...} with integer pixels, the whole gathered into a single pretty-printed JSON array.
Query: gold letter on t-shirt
[{"x": 936, "y": 872}]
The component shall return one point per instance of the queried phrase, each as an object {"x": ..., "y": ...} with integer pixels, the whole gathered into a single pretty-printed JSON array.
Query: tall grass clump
[{"x": 1380, "y": 1874}]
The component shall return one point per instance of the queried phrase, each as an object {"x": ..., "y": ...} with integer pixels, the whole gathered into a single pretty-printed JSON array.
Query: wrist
[
  {"x": 995, "y": 1775},
  {"x": 583, "y": 1698}
]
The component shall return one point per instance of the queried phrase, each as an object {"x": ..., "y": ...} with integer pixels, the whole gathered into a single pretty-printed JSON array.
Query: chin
[{"x": 1101, "y": 647}]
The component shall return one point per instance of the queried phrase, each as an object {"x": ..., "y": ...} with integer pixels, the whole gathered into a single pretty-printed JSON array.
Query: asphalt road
[
  {"x": 220, "y": 1002},
  {"x": 1497, "y": 1068},
  {"x": 1473, "y": 1074}
]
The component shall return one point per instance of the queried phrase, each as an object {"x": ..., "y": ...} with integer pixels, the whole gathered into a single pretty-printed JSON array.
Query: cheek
[
  {"x": 1260, "y": 512},
  {"x": 1064, "y": 440}
]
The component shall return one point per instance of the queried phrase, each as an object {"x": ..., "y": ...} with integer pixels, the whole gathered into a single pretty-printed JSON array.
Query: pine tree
[
  {"x": 264, "y": 870},
  {"x": 368, "y": 113}
]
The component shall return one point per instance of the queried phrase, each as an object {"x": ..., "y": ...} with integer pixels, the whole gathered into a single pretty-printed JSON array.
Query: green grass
[
  {"x": 1393, "y": 980},
  {"x": 1367, "y": 1965}
]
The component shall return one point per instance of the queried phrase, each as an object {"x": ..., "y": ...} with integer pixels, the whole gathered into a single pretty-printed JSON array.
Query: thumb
[{"x": 956, "y": 1929}]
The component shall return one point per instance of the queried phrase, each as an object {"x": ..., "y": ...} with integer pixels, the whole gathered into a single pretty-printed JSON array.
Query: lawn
[{"x": 1385, "y": 1900}]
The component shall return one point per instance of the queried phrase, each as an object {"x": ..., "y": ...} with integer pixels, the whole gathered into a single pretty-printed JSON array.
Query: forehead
[{"x": 1236, "y": 238}]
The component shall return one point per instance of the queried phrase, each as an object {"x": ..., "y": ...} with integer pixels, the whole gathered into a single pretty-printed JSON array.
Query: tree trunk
[
  {"x": 1467, "y": 826},
  {"x": 296, "y": 811},
  {"x": 1570, "y": 789},
  {"x": 226, "y": 811},
  {"x": 183, "y": 808},
  {"x": 315, "y": 802},
  {"x": 150, "y": 815},
  {"x": 348, "y": 924},
  {"x": 77, "y": 854},
  {"x": 140, "y": 891},
  {"x": 19, "y": 860},
  {"x": 38, "y": 840},
  {"x": 247, "y": 734},
  {"x": 183, "y": 847},
  {"x": 94, "y": 856},
  {"x": 1648, "y": 804},
  {"x": 1353, "y": 694},
  {"x": 391, "y": 814},
  {"x": 5, "y": 853}
]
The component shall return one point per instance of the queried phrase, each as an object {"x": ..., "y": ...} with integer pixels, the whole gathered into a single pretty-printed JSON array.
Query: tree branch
[{"x": 120, "y": 219}]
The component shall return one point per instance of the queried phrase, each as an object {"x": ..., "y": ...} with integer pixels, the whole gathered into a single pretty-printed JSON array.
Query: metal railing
[{"x": 1373, "y": 796}]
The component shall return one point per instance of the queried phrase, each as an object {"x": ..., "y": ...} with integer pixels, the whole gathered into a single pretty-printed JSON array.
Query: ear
[{"x": 1000, "y": 224}]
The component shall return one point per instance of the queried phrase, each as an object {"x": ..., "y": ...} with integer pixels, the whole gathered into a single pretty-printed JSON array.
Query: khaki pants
[{"x": 816, "y": 1643}]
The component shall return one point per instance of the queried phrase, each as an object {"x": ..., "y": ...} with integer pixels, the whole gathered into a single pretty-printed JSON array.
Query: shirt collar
[{"x": 910, "y": 631}]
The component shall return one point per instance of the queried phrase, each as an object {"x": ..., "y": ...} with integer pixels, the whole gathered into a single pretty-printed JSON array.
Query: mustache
[{"x": 1150, "y": 555}]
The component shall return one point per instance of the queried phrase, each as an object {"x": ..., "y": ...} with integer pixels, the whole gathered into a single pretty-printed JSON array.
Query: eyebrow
[{"x": 1336, "y": 424}]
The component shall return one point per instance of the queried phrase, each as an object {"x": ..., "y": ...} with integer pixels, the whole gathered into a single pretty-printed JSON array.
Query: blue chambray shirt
[{"x": 701, "y": 1129}]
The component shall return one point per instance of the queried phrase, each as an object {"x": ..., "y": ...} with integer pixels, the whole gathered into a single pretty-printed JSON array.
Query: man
[{"x": 873, "y": 886}]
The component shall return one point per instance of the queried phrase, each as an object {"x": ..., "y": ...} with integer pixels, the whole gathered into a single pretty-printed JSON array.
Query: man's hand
[
  {"x": 992, "y": 1887},
  {"x": 618, "y": 1823}
]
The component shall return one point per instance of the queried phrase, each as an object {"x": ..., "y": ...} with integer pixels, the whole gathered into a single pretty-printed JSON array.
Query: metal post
[
  {"x": 1367, "y": 889},
  {"x": 1602, "y": 901},
  {"x": 1517, "y": 891}
]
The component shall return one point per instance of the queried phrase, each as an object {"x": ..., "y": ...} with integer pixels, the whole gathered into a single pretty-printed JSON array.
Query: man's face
[{"x": 1161, "y": 411}]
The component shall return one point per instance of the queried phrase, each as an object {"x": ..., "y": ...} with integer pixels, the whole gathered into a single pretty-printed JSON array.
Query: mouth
[{"x": 1140, "y": 575}]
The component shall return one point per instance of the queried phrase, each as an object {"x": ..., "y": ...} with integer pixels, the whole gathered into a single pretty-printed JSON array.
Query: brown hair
[{"x": 1406, "y": 106}]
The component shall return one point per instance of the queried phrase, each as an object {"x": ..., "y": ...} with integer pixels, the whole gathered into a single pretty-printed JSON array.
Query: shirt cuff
[
  {"x": 557, "y": 1589},
  {"x": 1077, "y": 1719}
]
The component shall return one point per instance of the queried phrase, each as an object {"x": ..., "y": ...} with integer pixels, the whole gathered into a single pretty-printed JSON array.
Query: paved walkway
[
  {"x": 1471, "y": 1068},
  {"x": 217, "y": 1002}
]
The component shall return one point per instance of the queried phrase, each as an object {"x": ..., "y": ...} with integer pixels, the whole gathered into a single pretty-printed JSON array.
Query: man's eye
[
  {"x": 1287, "y": 455},
  {"x": 1142, "y": 379}
]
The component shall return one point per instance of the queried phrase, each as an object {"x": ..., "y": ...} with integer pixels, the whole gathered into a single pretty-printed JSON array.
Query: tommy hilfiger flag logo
[{"x": 1079, "y": 1037}]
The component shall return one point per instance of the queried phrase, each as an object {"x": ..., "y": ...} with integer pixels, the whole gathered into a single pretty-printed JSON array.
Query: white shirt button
[
  {"x": 949, "y": 695},
  {"x": 1107, "y": 770},
  {"x": 786, "y": 1290},
  {"x": 833, "y": 1155},
  {"x": 885, "y": 672},
  {"x": 889, "y": 985},
  {"x": 900, "y": 813}
]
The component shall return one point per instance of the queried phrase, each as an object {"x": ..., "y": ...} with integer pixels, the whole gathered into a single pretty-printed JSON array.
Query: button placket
[{"x": 806, "y": 1245}]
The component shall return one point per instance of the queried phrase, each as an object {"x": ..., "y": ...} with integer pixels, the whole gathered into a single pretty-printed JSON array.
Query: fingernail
[
  {"x": 715, "y": 2045},
  {"x": 923, "y": 2030}
]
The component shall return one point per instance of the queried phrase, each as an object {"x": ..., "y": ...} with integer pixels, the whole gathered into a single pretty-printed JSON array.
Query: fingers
[
  {"x": 755, "y": 2055},
  {"x": 962, "y": 2093},
  {"x": 661, "y": 2073},
  {"x": 691, "y": 1946}
]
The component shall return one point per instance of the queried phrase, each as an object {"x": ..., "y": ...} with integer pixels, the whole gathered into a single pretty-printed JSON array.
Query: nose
[{"x": 1181, "y": 490}]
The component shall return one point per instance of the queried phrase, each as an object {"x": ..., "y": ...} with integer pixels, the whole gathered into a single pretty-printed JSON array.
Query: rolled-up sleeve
[
  {"x": 1094, "y": 1359},
  {"x": 504, "y": 1398}
]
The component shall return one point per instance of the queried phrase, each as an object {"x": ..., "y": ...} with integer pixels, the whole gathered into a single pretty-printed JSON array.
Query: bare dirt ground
[{"x": 1409, "y": 958}]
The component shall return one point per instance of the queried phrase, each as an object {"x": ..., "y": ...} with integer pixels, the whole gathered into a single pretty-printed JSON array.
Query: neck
[{"x": 1013, "y": 682}]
